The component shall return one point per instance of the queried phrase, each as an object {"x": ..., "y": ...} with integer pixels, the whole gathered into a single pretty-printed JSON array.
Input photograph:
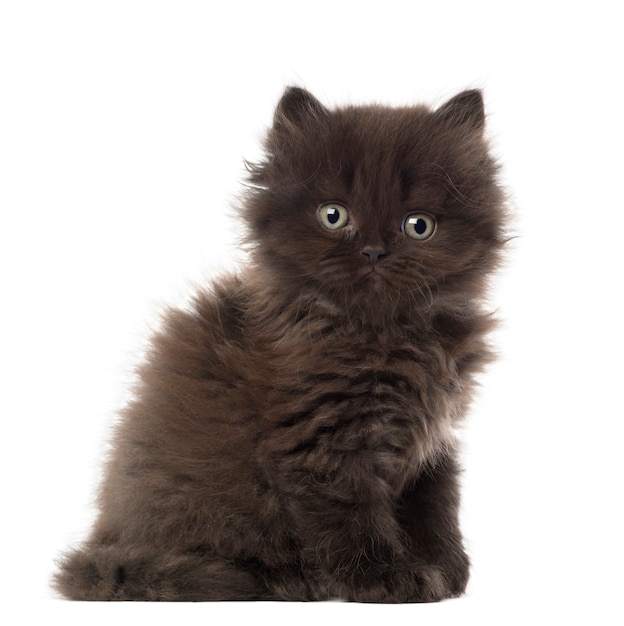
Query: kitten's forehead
[
  {"x": 387, "y": 140},
  {"x": 381, "y": 127},
  {"x": 383, "y": 154}
]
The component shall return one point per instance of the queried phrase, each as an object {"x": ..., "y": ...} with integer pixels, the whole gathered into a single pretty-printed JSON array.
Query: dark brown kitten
[{"x": 292, "y": 435}]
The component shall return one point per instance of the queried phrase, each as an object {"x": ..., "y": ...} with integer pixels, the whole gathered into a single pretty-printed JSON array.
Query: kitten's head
[{"x": 374, "y": 207}]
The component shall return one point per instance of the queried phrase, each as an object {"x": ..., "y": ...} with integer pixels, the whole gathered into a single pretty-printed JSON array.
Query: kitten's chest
[{"x": 338, "y": 399}]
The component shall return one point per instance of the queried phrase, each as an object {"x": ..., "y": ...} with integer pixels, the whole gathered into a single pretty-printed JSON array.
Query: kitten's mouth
[{"x": 373, "y": 273}]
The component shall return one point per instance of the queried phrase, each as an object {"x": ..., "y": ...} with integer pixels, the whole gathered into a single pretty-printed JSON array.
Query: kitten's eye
[
  {"x": 419, "y": 226},
  {"x": 333, "y": 215}
]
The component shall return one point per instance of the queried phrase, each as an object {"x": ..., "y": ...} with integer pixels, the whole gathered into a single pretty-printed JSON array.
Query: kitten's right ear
[{"x": 297, "y": 108}]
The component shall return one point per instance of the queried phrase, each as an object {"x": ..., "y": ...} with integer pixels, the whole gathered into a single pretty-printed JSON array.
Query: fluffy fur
[{"x": 292, "y": 435}]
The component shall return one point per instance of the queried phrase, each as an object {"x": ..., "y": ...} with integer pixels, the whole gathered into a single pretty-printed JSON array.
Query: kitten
[{"x": 292, "y": 435}]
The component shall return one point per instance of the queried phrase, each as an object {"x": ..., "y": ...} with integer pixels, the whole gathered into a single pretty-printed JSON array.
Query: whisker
[{"x": 456, "y": 192}]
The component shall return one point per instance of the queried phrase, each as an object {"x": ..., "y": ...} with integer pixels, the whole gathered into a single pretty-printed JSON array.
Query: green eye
[
  {"x": 419, "y": 226},
  {"x": 333, "y": 216}
]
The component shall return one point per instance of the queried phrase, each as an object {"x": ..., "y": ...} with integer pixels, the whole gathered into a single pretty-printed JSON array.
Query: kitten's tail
[{"x": 110, "y": 573}]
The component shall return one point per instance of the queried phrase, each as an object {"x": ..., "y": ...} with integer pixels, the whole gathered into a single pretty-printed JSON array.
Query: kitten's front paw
[
  {"x": 424, "y": 583},
  {"x": 420, "y": 583},
  {"x": 457, "y": 572}
]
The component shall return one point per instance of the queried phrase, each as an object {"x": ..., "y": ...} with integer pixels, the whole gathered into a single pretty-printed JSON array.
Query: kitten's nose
[{"x": 374, "y": 254}]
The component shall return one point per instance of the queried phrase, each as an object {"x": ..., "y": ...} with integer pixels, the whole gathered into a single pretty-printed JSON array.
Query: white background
[{"x": 123, "y": 128}]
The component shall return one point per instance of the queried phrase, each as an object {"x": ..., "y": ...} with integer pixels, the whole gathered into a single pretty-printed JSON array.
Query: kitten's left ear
[{"x": 464, "y": 110}]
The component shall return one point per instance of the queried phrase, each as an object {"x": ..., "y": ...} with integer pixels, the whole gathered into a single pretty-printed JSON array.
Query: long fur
[{"x": 293, "y": 433}]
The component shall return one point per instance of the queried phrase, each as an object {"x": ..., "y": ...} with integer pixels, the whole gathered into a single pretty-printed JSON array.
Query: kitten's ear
[
  {"x": 464, "y": 110},
  {"x": 297, "y": 107}
]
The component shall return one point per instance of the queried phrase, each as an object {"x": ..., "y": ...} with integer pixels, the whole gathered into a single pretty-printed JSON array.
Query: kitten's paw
[
  {"x": 457, "y": 572},
  {"x": 424, "y": 583},
  {"x": 421, "y": 583}
]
